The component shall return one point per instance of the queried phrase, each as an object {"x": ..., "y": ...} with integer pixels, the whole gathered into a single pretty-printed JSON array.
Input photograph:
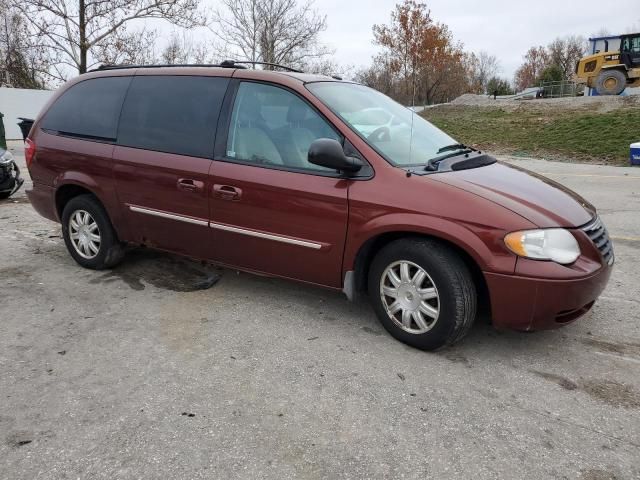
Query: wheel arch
[
  {"x": 65, "y": 192},
  {"x": 73, "y": 186},
  {"x": 369, "y": 249}
]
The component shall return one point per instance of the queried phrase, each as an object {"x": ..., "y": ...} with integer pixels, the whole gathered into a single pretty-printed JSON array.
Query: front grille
[{"x": 598, "y": 234}]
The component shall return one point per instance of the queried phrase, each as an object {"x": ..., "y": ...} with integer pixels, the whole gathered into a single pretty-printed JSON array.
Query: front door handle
[
  {"x": 189, "y": 185},
  {"x": 227, "y": 192}
]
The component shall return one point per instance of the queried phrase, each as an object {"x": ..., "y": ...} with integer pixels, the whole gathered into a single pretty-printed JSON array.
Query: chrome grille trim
[{"x": 597, "y": 232}]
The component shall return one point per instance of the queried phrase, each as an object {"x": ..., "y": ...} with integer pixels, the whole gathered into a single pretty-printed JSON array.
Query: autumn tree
[
  {"x": 273, "y": 31},
  {"x": 535, "y": 61},
  {"x": 420, "y": 53},
  {"x": 562, "y": 54},
  {"x": 82, "y": 33}
]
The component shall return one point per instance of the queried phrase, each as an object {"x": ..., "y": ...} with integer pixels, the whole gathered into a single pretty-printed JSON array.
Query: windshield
[{"x": 396, "y": 132}]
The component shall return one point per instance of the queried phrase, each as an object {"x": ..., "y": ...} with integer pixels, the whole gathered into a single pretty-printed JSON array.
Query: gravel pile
[{"x": 598, "y": 104}]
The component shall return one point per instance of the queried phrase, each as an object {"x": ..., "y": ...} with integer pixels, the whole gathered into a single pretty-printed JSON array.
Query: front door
[
  {"x": 161, "y": 164},
  {"x": 271, "y": 210}
]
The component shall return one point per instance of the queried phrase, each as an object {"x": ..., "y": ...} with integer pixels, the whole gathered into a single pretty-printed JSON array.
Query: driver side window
[{"x": 273, "y": 127}]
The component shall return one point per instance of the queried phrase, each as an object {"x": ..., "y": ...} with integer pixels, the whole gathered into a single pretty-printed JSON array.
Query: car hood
[{"x": 540, "y": 200}]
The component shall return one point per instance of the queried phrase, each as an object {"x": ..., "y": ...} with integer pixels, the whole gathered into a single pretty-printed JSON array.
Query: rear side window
[
  {"x": 89, "y": 109},
  {"x": 173, "y": 114}
]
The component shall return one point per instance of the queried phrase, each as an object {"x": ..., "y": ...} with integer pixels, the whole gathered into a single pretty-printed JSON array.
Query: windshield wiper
[
  {"x": 455, "y": 146},
  {"x": 432, "y": 164}
]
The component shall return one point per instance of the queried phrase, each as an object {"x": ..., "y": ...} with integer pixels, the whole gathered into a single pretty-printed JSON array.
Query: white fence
[{"x": 18, "y": 102}]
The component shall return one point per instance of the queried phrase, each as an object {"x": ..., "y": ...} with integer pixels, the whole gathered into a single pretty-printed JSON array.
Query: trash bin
[
  {"x": 634, "y": 156},
  {"x": 3, "y": 140},
  {"x": 25, "y": 125}
]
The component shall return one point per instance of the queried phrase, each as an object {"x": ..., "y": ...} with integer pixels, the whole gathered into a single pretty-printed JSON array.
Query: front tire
[
  {"x": 422, "y": 293},
  {"x": 611, "y": 82},
  {"x": 89, "y": 235}
]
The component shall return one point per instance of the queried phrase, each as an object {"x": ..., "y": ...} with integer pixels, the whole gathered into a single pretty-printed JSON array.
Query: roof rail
[
  {"x": 267, "y": 64},
  {"x": 224, "y": 64}
]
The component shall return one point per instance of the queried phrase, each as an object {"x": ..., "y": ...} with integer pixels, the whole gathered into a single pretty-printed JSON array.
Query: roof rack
[{"x": 224, "y": 64}]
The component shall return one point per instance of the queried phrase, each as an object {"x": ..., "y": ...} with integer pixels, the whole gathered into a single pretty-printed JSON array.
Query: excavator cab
[
  {"x": 609, "y": 73},
  {"x": 630, "y": 50}
]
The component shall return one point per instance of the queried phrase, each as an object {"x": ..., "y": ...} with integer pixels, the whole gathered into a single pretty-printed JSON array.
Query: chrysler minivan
[{"x": 318, "y": 180}]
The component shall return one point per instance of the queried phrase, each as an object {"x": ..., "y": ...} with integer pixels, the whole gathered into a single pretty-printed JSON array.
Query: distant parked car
[
  {"x": 318, "y": 180},
  {"x": 10, "y": 179}
]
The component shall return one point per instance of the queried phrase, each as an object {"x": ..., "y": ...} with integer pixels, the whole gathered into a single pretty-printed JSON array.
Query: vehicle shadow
[{"x": 165, "y": 271}]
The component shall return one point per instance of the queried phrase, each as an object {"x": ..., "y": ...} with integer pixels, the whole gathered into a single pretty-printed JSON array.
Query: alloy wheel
[
  {"x": 410, "y": 297},
  {"x": 84, "y": 234}
]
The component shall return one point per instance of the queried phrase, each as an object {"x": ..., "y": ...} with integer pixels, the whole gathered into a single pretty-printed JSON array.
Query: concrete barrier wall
[{"x": 18, "y": 102}]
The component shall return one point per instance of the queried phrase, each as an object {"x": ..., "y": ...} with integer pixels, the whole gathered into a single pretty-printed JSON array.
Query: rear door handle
[
  {"x": 227, "y": 192},
  {"x": 189, "y": 185}
]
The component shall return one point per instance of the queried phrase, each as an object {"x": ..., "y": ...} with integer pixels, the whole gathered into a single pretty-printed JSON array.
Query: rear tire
[
  {"x": 430, "y": 289},
  {"x": 89, "y": 235},
  {"x": 611, "y": 82}
]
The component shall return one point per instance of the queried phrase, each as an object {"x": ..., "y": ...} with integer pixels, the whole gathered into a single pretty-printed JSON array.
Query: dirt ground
[{"x": 141, "y": 372}]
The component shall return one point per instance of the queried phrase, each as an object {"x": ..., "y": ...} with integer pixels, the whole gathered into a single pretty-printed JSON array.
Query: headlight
[
  {"x": 5, "y": 157},
  {"x": 556, "y": 244}
]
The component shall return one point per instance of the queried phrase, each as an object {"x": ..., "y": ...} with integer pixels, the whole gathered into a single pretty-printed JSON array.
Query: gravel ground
[
  {"x": 596, "y": 104},
  {"x": 138, "y": 373}
]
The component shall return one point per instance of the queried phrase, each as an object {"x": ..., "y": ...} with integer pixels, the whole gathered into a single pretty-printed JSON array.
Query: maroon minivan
[{"x": 318, "y": 180}]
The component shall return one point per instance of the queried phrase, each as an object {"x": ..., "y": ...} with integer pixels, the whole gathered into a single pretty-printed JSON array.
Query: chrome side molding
[
  {"x": 226, "y": 228},
  {"x": 267, "y": 236},
  {"x": 171, "y": 216}
]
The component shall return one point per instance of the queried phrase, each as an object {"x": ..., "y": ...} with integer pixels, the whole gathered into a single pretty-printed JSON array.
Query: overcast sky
[{"x": 503, "y": 28}]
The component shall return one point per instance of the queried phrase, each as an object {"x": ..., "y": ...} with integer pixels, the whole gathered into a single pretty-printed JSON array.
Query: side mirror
[{"x": 327, "y": 152}]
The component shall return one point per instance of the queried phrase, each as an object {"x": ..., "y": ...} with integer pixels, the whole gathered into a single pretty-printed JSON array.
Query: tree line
[{"x": 44, "y": 42}]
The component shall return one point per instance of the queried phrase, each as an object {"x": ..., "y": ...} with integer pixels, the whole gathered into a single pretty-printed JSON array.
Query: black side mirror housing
[{"x": 328, "y": 153}]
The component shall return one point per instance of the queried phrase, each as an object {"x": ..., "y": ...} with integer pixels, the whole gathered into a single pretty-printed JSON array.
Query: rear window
[
  {"x": 173, "y": 114},
  {"x": 89, "y": 109}
]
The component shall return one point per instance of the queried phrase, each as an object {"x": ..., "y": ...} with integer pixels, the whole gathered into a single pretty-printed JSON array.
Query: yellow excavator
[{"x": 609, "y": 73}]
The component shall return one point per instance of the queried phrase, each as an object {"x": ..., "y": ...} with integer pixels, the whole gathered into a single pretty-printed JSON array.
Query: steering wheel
[{"x": 380, "y": 134}]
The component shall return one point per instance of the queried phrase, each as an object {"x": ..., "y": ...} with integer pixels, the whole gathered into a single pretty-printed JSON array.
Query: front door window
[{"x": 271, "y": 126}]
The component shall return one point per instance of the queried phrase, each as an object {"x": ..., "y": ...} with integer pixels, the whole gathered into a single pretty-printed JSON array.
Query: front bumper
[
  {"x": 525, "y": 303},
  {"x": 10, "y": 179}
]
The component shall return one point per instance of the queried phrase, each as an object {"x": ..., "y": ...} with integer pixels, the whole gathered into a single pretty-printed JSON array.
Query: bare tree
[
  {"x": 78, "y": 32},
  {"x": 481, "y": 68},
  {"x": 602, "y": 32},
  {"x": 129, "y": 48},
  {"x": 565, "y": 53},
  {"x": 275, "y": 31},
  {"x": 633, "y": 28},
  {"x": 22, "y": 61},
  {"x": 183, "y": 49}
]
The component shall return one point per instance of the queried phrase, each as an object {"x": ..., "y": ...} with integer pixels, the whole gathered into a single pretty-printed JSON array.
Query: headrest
[
  {"x": 250, "y": 110},
  {"x": 297, "y": 111}
]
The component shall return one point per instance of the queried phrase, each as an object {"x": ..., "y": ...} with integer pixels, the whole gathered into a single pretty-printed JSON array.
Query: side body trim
[
  {"x": 268, "y": 236},
  {"x": 171, "y": 216},
  {"x": 226, "y": 228}
]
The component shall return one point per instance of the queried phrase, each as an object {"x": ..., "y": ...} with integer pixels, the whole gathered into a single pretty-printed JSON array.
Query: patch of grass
[{"x": 573, "y": 135}]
